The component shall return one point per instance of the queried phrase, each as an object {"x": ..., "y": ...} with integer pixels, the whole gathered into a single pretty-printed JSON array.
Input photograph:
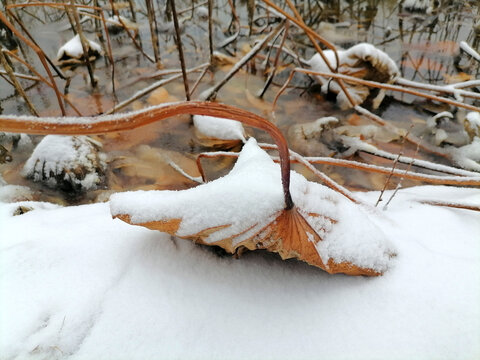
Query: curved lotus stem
[{"x": 127, "y": 121}]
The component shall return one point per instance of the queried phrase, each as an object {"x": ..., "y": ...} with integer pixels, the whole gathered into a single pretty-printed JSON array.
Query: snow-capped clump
[
  {"x": 467, "y": 156},
  {"x": 418, "y": 5},
  {"x": 73, "y": 49},
  {"x": 364, "y": 61},
  {"x": 202, "y": 13},
  {"x": 472, "y": 124},
  {"x": 219, "y": 128},
  {"x": 116, "y": 24},
  {"x": 72, "y": 163},
  {"x": 241, "y": 204}
]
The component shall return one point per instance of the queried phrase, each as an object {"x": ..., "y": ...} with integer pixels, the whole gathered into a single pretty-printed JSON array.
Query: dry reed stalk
[
  {"x": 42, "y": 79},
  {"x": 21, "y": 76},
  {"x": 212, "y": 92},
  {"x": 313, "y": 36},
  {"x": 210, "y": 29},
  {"x": 275, "y": 62},
  {"x": 114, "y": 123},
  {"x": 134, "y": 41},
  {"x": 41, "y": 55},
  {"x": 178, "y": 41},
  {"x": 84, "y": 42},
  {"x": 18, "y": 87},
  {"x": 390, "y": 174},
  {"x": 153, "y": 31}
]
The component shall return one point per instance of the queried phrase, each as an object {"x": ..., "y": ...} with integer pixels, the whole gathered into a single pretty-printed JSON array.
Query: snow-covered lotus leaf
[
  {"x": 246, "y": 209},
  {"x": 364, "y": 61},
  {"x": 73, "y": 49}
]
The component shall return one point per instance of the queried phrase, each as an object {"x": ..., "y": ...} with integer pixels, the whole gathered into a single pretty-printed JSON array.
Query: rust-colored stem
[{"x": 128, "y": 121}]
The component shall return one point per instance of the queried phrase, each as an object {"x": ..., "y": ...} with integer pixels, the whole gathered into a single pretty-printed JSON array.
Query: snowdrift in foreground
[
  {"x": 246, "y": 209},
  {"x": 76, "y": 284}
]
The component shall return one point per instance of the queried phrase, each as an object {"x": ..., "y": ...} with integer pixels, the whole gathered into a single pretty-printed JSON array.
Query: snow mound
[
  {"x": 69, "y": 162},
  {"x": 73, "y": 49},
  {"x": 75, "y": 284},
  {"x": 249, "y": 198},
  {"x": 219, "y": 128},
  {"x": 362, "y": 60}
]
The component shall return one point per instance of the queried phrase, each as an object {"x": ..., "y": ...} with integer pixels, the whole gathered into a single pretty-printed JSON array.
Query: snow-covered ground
[{"x": 76, "y": 284}]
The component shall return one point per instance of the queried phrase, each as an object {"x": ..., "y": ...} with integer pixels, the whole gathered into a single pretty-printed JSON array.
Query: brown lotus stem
[{"x": 132, "y": 120}]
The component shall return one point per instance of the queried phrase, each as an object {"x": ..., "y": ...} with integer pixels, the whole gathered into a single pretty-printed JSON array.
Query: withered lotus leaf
[{"x": 246, "y": 209}]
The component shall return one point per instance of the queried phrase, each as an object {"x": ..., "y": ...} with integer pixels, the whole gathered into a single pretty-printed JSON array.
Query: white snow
[
  {"x": 219, "y": 128},
  {"x": 76, "y": 284},
  {"x": 469, "y": 50},
  {"x": 14, "y": 193},
  {"x": 56, "y": 155},
  {"x": 350, "y": 61},
  {"x": 250, "y": 197},
  {"x": 73, "y": 48},
  {"x": 418, "y": 5},
  {"x": 467, "y": 156},
  {"x": 474, "y": 119}
]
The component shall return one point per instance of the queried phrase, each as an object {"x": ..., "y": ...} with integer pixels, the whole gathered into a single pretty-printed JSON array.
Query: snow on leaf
[{"x": 246, "y": 209}]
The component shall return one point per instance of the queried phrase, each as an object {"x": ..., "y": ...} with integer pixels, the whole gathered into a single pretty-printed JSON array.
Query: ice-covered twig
[
  {"x": 432, "y": 179},
  {"x": 465, "y": 206},
  {"x": 453, "y": 89},
  {"x": 359, "y": 145},
  {"x": 469, "y": 50}
]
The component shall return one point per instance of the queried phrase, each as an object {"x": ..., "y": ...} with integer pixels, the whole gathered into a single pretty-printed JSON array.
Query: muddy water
[{"x": 425, "y": 46}]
